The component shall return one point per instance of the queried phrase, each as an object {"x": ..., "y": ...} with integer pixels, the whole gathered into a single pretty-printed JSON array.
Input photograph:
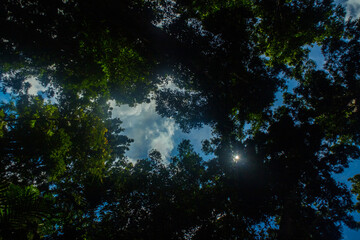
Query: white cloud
[
  {"x": 148, "y": 129},
  {"x": 35, "y": 86},
  {"x": 163, "y": 140},
  {"x": 151, "y": 131},
  {"x": 352, "y": 8},
  {"x": 126, "y": 111}
]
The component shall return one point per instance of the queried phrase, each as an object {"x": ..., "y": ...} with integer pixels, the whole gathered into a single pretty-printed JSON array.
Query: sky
[
  {"x": 151, "y": 131},
  {"x": 352, "y": 8}
]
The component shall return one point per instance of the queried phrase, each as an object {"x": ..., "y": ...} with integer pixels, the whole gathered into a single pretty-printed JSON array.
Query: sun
[{"x": 236, "y": 158}]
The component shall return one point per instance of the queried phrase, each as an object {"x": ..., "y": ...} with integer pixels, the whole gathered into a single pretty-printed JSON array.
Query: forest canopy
[{"x": 266, "y": 172}]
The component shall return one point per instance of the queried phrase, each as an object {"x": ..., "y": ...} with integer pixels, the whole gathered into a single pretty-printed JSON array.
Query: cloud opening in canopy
[
  {"x": 352, "y": 8},
  {"x": 148, "y": 129}
]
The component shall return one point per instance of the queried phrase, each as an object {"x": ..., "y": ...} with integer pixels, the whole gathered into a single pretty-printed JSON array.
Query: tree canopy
[{"x": 64, "y": 170}]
